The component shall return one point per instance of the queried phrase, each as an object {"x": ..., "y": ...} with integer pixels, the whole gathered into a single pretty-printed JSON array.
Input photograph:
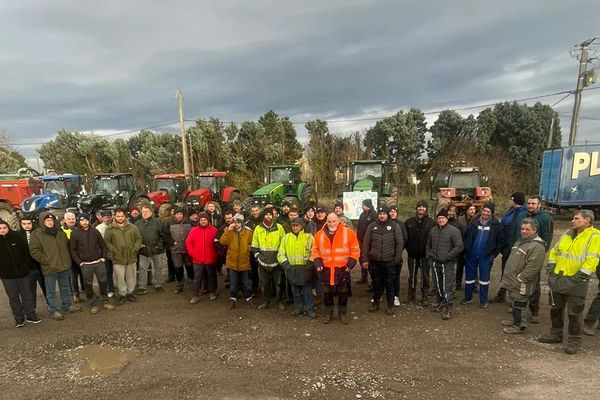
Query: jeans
[
  {"x": 414, "y": 265},
  {"x": 110, "y": 280},
  {"x": 181, "y": 261},
  {"x": 125, "y": 278},
  {"x": 330, "y": 291},
  {"x": 36, "y": 278},
  {"x": 159, "y": 264},
  {"x": 208, "y": 272},
  {"x": 303, "y": 297},
  {"x": 519, "y": 308},
  {"x": 382, "y": 276},
  {"x": 483, "y": 264},
  {"x": 63, "y": 279},
  {"x": 593, "y": 313},
  {"x": 270, "y": 278},
  {"x": 239, "y": 280},
  {"x": 398, "y": 271},
  {"x": 443, "y": 279},
  {"x": 99, "y": 270},
  {"x": 575, "y": 307},
  {"x": 19, "y": 297}
]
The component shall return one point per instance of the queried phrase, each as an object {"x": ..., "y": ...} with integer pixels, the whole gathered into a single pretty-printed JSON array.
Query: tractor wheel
[
  {"x": 292, "y": 201},
  {"x": 308, "y": 196},
  {"x": 248, "y": 203},
  {"x": 8, "y": 215}
]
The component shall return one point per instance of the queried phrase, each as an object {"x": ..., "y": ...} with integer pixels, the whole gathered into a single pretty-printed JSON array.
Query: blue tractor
[{"x": 60, "y": 192}]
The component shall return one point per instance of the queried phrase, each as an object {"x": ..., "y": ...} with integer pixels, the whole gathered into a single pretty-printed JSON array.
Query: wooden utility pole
[
  {"x": 551, "y": 133},
  {"x": 186, "y": 160}
]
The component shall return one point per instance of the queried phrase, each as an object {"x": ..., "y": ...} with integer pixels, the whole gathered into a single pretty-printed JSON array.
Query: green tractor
[
  {"x": 371, "y": 176},
  {"x": 283, "y": 183}
]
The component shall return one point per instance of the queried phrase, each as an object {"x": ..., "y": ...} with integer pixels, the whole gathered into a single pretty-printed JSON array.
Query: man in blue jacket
[{"x": 483, "y": 242}]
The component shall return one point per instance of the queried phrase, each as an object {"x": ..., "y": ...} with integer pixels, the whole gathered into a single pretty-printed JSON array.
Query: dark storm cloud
[{"x": 118, "y": 67}]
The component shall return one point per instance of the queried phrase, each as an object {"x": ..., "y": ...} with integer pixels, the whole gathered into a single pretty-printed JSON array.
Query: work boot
[
  {"x": 343, "y": 318},
  {"x": 122, "y": 300},
  {"x": 507, "y": 322},
  {"x": 57, "y": 315},
  {"x": 328, "y": 317},
  {"x": 588, "y": 329},
  {"x": 231, "y": 304},
  {"x": 73, "y": 309},
  {"x": 131, "y": 297},
  {"x": 550, "y": 339},
  {"x": 374, "y": 307},
  {"x": 513, "y": 330},
  {"x": 389, "y": 310},
  {"x": 534, "y": 318},
  {"x": 446, "y": 313},
  {"x": 571, "y": 348},
  {"x": 500, "y": 298},
  {"x": 108, "y": 307}
]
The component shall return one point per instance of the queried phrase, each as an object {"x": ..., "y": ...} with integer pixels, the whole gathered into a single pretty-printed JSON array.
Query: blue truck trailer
[{"x": 570, "y": 177}]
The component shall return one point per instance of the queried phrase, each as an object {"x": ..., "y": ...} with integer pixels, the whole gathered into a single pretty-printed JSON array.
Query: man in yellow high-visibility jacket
[{"x": 570, "y": 264}]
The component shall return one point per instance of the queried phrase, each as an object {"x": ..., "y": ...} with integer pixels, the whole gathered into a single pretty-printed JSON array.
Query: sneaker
[
  {"x": 484, "y": 305},
  {"x": 513, "y": 330},
  {"x": 231, "y": 304},
  {"x": 588, "y": 329},
  {"x": 571, "y": 348},
  {"x": 396, "y": 301},
  {"x": 33, "y": 319},
  {"x": 142, "y": 291},
  {"x": 110, "y": 294},
  {"x": 446, "y": 313},
  {"x": 74, "y": 308},
  {"x": 465, "y": 301},
  {"x": 57, "y": 315},
  {"x": 550, "y": 339},
  {"x": 108, "y": 307},
  {"x": 159, "y": 289},
  {"x": 20, "y": 323},
  {"x": 212, "y": 296},
  {"x": 194, "y": 300},
  {"x": 131, "y": 297},
  {"x": 94, "y": 310}
]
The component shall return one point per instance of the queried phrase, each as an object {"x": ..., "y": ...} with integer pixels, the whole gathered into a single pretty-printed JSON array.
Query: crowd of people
[{"x": 286, "y": 257}]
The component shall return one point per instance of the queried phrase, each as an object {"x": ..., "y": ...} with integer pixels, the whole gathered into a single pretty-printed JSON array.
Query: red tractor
[
  {"x": 168, "y": 188},
  {"x": 212, "y": 186},
  {"x": 460, "y": 186}
]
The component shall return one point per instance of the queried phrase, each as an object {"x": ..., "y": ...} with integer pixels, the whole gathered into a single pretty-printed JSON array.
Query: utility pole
[
  {"x": 550, "y": 134},
  {"x": 581, "y": 83},
  {"x": 186, "y": 160}
]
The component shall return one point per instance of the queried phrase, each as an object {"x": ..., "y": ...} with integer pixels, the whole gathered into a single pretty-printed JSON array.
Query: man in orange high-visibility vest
[{"x": 335, "y": 252}]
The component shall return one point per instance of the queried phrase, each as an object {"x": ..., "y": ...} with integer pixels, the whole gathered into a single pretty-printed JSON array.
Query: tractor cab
[
  {"x": 288, "y": 175},
  {"x": 369, "y": 176}
]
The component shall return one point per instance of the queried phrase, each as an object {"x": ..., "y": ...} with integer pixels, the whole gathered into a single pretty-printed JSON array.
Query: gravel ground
[{"x": 206, "y": 351}]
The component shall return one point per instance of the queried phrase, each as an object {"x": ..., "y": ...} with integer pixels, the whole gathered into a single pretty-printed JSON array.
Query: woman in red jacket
[{"x": 200, "y": 245}]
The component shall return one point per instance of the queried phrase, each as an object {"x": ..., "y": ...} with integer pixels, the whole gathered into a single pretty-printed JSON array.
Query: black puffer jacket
[
  {"x": 87, "y": 246},
  {"x": 383, "y": 242},
  {"x": 418, "y": 231},
  {"x": 14, "y": 256},
  {"x": 444, "y": 244}
]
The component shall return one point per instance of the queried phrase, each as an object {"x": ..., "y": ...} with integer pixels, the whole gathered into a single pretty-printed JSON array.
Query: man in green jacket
[
  {"x": 49, "y": 246},
  {"x": 265, "y": 246},
  {"x": 522, "y": 272},
  {"x": 123, "y": 241},
  {"x": 294, "y": 254},
  {"x": 155, "y": 239}
]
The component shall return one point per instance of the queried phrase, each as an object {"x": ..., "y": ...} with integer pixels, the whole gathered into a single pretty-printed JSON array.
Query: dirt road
[{"x": 185, "y": 351}]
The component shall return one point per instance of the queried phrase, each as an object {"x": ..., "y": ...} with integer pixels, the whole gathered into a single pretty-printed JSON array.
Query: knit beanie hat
[
  {"x": 490, "y": 206},
  {"x": 442, "y": 213},
  {"x": 518, "y": 198}
]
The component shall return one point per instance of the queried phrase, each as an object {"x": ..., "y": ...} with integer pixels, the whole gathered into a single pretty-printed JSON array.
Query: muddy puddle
[{"x": 101, "y": 360}]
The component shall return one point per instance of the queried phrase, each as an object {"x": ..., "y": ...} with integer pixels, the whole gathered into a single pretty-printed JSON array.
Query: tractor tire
[
  {"x": 292, "y": 201},
  {"x": 308, "y": 196},
  {"x": 8, "y": 215},
  {"x": 247, "y": 204}
]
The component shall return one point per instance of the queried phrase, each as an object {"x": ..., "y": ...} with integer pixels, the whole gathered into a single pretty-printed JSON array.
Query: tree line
[{"x": 505, "y": 141}]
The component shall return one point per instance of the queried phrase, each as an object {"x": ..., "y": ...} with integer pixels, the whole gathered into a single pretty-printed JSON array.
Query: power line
[{"x": 567, "y": 93}]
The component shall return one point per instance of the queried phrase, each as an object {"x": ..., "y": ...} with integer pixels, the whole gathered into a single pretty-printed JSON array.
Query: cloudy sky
[{"x": 110, "y": 66}]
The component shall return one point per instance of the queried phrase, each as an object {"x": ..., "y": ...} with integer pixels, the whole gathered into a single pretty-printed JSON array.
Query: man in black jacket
[
  {"x": 89, "y": 251},
  {"x": 14, "y": 272},
  {"x": 367, "y": 216},
  {"x": 35, "y": 273},
  {"x": 444, "y": 246},
  {"x": 381, "y": 249},
  {"x": 418, "y": 228}
]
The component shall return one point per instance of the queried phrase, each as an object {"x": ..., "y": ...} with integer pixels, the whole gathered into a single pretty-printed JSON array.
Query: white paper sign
[{"x": 353, "y": 202}]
